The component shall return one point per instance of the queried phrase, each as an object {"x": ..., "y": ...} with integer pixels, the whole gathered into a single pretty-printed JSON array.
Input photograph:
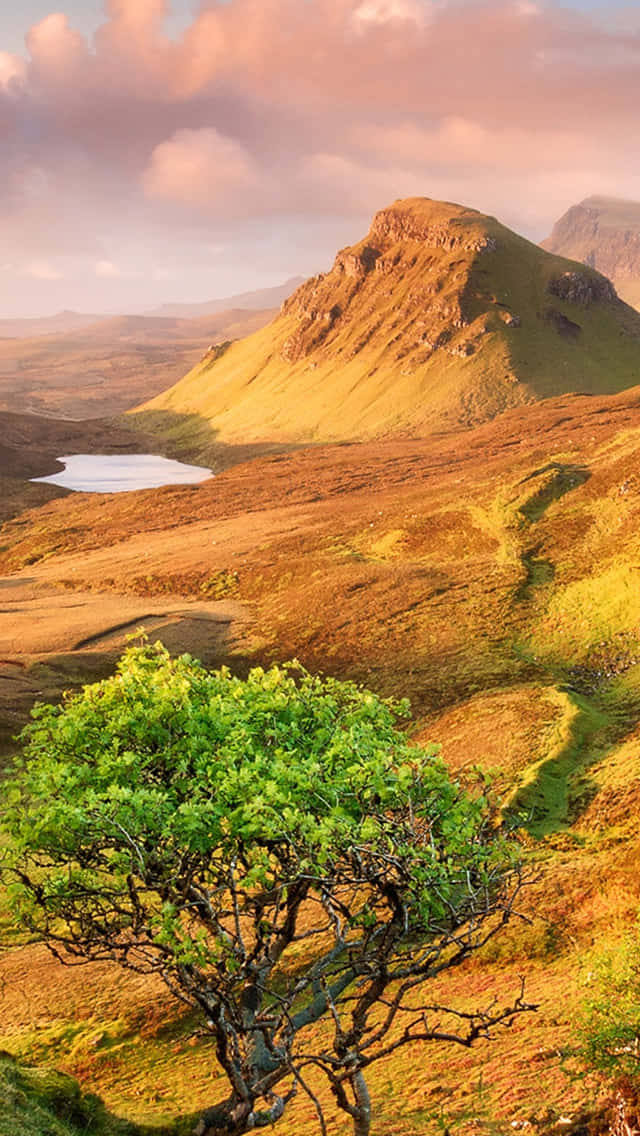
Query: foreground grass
[{"x": 43, "y": 1102}]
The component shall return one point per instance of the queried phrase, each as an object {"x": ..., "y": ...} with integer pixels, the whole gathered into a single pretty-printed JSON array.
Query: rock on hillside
[
  {"x": 440, "y": 318},
  {"x": 603, "y": 232}
]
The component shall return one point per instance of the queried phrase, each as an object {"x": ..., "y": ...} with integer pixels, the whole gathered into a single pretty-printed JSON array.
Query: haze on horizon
[{"x": 154, "y": 154}]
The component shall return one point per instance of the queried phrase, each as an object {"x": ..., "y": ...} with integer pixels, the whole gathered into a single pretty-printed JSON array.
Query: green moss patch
[{"x": 43, "y": 1102}]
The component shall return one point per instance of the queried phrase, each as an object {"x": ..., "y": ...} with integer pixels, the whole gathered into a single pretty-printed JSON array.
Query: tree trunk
[
  {"x": 230, "y": 1118},
  {"x": 625, "y": 1112},
  {"x": 234, "y": 1117},
  {"x": 362, "y": 1113}
]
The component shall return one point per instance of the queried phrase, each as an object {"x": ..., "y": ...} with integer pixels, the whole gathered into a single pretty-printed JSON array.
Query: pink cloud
[
  {"x": 389, "y": 12},
  {"x": 277, "y": 108},
  {"x": 42, "y": 270},
  {"x": 202, "y": 168},
  {"x": 57, "y": 52},
  {"x": 13, "y": 70}
]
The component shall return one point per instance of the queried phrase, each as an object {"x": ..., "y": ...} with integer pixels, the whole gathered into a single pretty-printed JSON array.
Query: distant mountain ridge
[
  {"x": 603, "y": 232},
  {"x": 440, "y": 318},
  {"x": 252, "y": 301},
  {"x": 59, "y": 324},
  {"x": 67, "y": 321}
]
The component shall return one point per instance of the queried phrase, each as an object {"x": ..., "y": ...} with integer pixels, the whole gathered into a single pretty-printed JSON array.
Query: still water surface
[{"x": 117, "y": 473}]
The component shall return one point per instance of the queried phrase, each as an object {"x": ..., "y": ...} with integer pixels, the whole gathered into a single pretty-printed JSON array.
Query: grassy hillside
[{"x": 440, "y": 318}]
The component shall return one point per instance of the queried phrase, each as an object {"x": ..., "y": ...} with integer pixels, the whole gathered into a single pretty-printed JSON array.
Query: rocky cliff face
[
  {"x": 405, "y": 244},
  {"x": 455, "y": 232},
  {"x": 605, "y": 234}
]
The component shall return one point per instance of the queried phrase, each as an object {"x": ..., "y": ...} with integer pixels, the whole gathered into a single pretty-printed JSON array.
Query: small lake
[{"x": 120, "y": 473}]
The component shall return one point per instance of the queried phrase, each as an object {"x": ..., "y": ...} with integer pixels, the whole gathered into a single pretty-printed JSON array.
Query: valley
[{"x": 111, "y": 364}]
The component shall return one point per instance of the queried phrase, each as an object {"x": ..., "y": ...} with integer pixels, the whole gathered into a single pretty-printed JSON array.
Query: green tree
[{"x": 273, "y": 847}]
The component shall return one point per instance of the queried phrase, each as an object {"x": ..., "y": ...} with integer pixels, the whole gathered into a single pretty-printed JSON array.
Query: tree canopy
[{"x": 276, "y": 849}]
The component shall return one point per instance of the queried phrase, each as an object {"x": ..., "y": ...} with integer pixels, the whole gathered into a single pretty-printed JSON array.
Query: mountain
[
  {"x": 252, "y": 301},
  {"x": 68, "y": 321},
  {"x": 605, "y": 233},
  {"x": 441, "y": 318},
  {"x": 59, "y": 324}
]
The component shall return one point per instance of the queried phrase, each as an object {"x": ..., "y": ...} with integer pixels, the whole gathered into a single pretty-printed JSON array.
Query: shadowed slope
[
  {"x": 42, "y": 1102},
  {"x": 440, "y": 318}
]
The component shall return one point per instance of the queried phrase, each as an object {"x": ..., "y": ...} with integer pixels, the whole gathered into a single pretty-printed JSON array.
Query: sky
[{"x": 158, "y": 152}]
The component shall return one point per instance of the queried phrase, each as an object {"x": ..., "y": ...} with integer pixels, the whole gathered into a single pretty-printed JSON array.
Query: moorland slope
[
  {"x": 605, "y": 233},
  {"x": 491, "y": 577},
  {"x": 441, "y": 318},
  {"x": 28, "y": 327}
]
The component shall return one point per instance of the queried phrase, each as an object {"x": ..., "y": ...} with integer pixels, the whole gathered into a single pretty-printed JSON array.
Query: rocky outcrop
[
  {"x": 356, "y": 264},
  {"x": 563, "y": 325},
  {"x": 405, "y": 225},
  {"x": 580, "y": 288}
]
